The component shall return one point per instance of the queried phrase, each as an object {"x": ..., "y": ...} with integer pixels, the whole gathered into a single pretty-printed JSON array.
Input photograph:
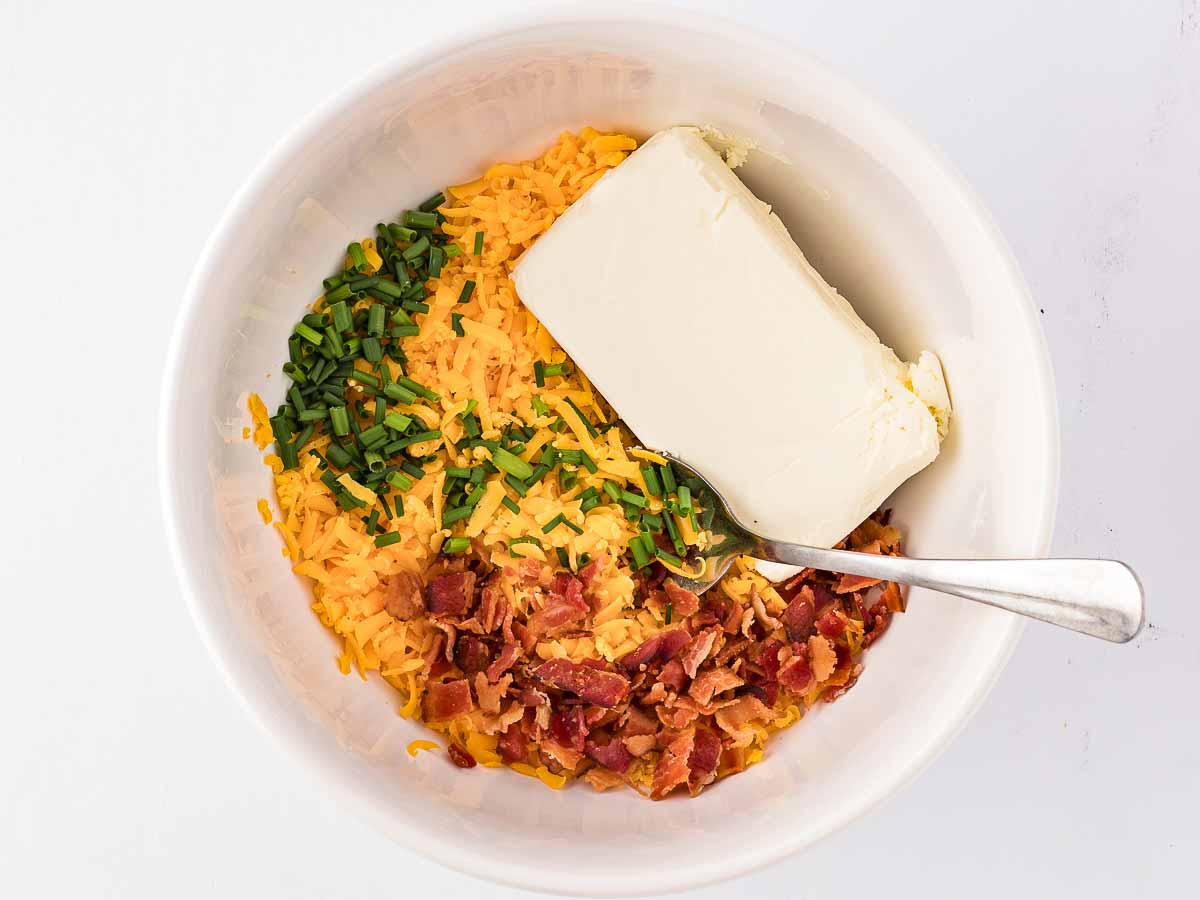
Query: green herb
[
  {"x": 339, "y": 420},
  {"x": 563, "y": 559},
  {"x": 512, "y": 465},
  {"x": 668, "y": 479},
  {"x": 397, "y": 421},
  {"x": 313, "y": 337},
  {"x": 526, "y": 539},
  {"x": 510, "y": 504},
  {"x": 399, "y": 481},
  {"x": 420, "y": 219},
  {"x": 456, "y": 545},
  {"x": 450, "y": 516},
  {"x": 468, "y": 288},
  {"x": 478, "y": 243},
  {"x": 667, "y": 613},
  {"x": 387, "y": 539},
  {"x": 633, "y": 499},
  {"x": 650, "y": 477},
  {"x": 358, "y": 259},
  {"x": 433, "y": 203},
  {"x": 613, "y": 491},
  {"x": 456, "y": 324},
  {"x": 539, "y": 373}
]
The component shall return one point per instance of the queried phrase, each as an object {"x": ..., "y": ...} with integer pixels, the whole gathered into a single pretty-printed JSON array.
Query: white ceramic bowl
[{"x": 876, "y": 211}]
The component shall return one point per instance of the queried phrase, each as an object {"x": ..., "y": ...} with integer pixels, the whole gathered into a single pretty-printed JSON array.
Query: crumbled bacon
[
  {"x": 711, "y": 682},
  {"x": 403, "y": 597},
  {"x": 593, "y": 685},
  {"x": 636, "y": 722},
  {"x": 673, "y": 769},
  {"x": 640, "y": 744},
  {"x": 589, "y": 572},
  {"x": 735, "y": 718},
  {"x": 832, "y": 624},
  {"x": 704, "y": 759},
  {"x": 657, "y": 648},
  {"x": 513, "y": 745},
  {"x": 489, "y": 695},
  {"x": 683, "y": 602},
  {"x": 472, "y": 655},
  {"x": 672, "y": 675},
  {"x": 796, "y": 674},
  {"x": 447, "y": 700},
  {"x": 450, "y": 595},
  {"x": 569, "y": 728},
  {"x": 492, "y": 603},
  {"x": 508, "y": 655},
  {"x": 800, "y": 615},
  {"x": 460, "y": 757},
  {"x": 697, "y": 650},
  {"x": 612, "y": 755}
]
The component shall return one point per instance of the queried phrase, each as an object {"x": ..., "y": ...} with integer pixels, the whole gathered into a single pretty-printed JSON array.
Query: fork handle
[{"x": 1100, "y": 597}]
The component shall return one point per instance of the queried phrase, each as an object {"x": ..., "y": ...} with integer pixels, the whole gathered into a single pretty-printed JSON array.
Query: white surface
[
  {"x": 128, "y": 771},
  {"x": 686, "y": 263},
  {"x": 926, "y": 265}
]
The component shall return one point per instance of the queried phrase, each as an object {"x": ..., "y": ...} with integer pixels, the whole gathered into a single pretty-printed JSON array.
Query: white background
[{"x": 127, "y": 770}]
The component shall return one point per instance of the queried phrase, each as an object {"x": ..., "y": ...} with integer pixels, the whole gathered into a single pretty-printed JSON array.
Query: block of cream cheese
[{"x": 686, "y": 303}]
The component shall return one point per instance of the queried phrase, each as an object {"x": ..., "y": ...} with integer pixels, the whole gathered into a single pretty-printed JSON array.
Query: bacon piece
[
  {"x": 460, "y": 757},
  {"x": 446, "y": 700},
  {"x": 734, "y": 719},
  {"x": 492, "y": 603},
  {"x": 712, "y": 682},
  {"x": 823, "y": 656},
  {"x": 602, "y": 779},
  {"x": 569, "y": 728},
  {"x": 704, "y": 759},
  {"x": 800, "y": 615},
  {"x": 508, "y": 655},
  {"x": 672, "y": 769},
  {"x": 697, "y": 650},
  {"x": 796, "y": 674},
  {"x": 673, "y": 676},
  {"x": 640, "y": 744},
  {"x": 450, "y": 595},
  {"x": 598, "y": 687},
  {"x": 472, "y": 655},
  {"x": 567, "y": 757},
  {"x": 656, "y": 648},
  {"x": 831, "y": 624},
  {"x": 612, "y": 755},
  {"x": 513, "y": 745},
  {"x": 683, "y": 602},
  {"x": 530, "y": 571},
  {"x": 637, "y": 722},
  {"x": 552, "y": 618},
  {"x": 679, "y": 716},
  {"x": 881, "y": 616},
  {"x": 434, "y": 657},
  {"x": 403, "y": 597},
  {"x": 850, "y": 583},
  {"x": 589, "y": 572},
  {"x": 490, "y": 695}
]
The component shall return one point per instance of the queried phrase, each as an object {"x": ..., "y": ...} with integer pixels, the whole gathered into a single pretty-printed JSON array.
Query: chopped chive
[
  {"x": 667, "y": 613},
  {"x": 511, "y": 465},
  {"x": 557, "y": 369},
  {"x": 563, "y": 559},
  {"x": 453, "y": 250},
  {"x": 372, "y": 521},
  {"x": 510, "y": 504},
  {"x": 524, "y": 539},
  {"x": 450, "y": 516},
  {"x": 418, "y": 389},
  {"x": 281, "y": 429},
  {"x": 419, "y": 219},
  {"x": 591, "y": 429},
  {"x": 652, "y": 521},
  {"x": 397, "y": 421},
  {"x": 332, "y": 283},
  {"x": 403, "y": 331},
  {"x": 374, "y": 461},
  {"x": 539, "y": 406},
  {"x": 539, "y": 373},
  {"x": 668, "y": 479},
  {"x": 335, "y": 341},
  {"x": 390, "y": 288},
  {"x": 314, "y": 415},
  {"x": 400, "y": 317},
  {"x": 339, "y": 293},
  {"x": 375, "y": 316},
  {"x": 456, "y": 545},
  {"x": 357, "y": 257},
  {"x": 339, "y": 420},
  {"x": 459, "y": 471},
  {"x": 359, "y": 283},
  {"x": 567, "y": 480},
  {"x": 651, "y": 478},
  {"x": 473, "y": 498},
  {"x": 399, "y": 393},
  {"x": 342, "y": 320},
  {"x": 588, "y": 463},
  {"x": 641, "y": 558},
  {"x": 365, "y": 378},
  {"x": 477, "y": 475},
  {"x": 313, "y": 337},
  {"x": 399, "y": 481},
  {"x": 456, "y": 324},
  {"x": 516, "y": 484},
  {"x": 673, "y": 531},
  {"x": 614, "y": 492},
  {"x": 387, "y": 539},
  {"x": 570, "y": 457},
  {"x": 633, "y": 499},
  {"x": 433, "y": 202},
  {"x": 560, "y": 519},
  {"x": 338, "y": 455},
  {"x": 667, "y": 556},
  {"x": 387, "y": 510},
  {"x": 372, "y": 349},
  {"x": 436, "y": 259},
  {"x": 478, "y": 243},
  {"x": 416, "y": 250},
  {"x": 468, "y": 288},
  {"x": 685, "y": 499},
  {"x": 401, "y": 234}
]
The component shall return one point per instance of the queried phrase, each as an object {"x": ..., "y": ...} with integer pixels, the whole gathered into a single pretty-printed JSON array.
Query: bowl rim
[{"x": 405, "y": 830}]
